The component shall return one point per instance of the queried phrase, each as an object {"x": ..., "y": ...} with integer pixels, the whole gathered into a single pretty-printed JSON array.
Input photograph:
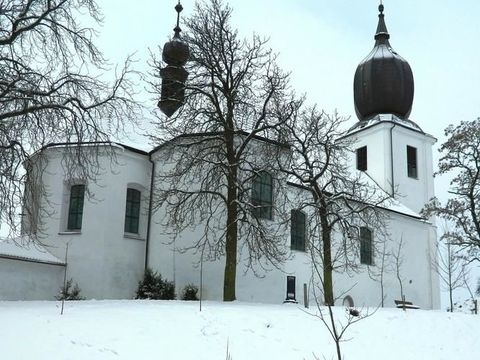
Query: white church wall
[
  {"x": 413, "y": 192},
  {"x": 107, "y": 263},
  {"x": 26, "y": 280},
  {"x": 376, "y": 140},
  {"x": 270, "y": 285},
  {"x": 102, "y": 259}
]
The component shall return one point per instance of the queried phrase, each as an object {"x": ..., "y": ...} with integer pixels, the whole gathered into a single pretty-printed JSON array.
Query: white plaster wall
[
  {"x": 106, "y": 264},
  {"x": 413, "y": 193},
  {"x": 101, "y": 259},
  {"x": 23, "y": 280},
  {"x": 270, "y": 285}
]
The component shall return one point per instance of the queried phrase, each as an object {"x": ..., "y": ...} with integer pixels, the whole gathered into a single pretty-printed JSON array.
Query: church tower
[{"x": 390, "y": 148}]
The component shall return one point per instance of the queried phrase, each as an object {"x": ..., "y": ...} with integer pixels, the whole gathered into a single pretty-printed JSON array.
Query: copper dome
[{"x": 383, "y": 82}]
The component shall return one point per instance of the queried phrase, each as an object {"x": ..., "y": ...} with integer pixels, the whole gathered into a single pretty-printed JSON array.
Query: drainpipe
[
  {"x": 391, "y": 160},
  {"x": 150, "y": 205}
]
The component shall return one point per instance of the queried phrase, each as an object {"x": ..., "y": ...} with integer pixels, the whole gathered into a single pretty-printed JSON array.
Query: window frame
[
  {"x": 262, "y": 204},
  {"x": 295, "y": 244},
  {"x": 362, "y": 156},
  {"x": 75, "y": 207},
  {"x": 412, "y": 162},
  {"x": 133, "y": 204},
  {"x": 366, "y": 246}
]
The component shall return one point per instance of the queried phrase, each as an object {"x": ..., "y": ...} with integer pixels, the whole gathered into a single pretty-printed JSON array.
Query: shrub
[
  {"x": 190, "y": 292},
  {"x": 153, "y": 287},
  {"x": 67, "y": 292}
]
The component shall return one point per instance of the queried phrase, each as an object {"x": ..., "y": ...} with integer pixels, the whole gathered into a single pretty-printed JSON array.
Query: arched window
[
  {"x": 132, "y": 211},
  {"x": 366, "y": 246},
  {"x": 297, "y": 230},
  {"x": 262, "y": 195},
  {"x": 75, "y": 207}
]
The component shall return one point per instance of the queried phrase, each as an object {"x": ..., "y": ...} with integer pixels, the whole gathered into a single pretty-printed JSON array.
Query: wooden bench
[{"x": 401, "y": 304}]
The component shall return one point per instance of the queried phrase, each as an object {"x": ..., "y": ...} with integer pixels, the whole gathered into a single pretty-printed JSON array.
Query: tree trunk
[
  {"x": 229, "y": 280},
  {"x": 327, "y": 259},
  {"x": 327, "y": 268}
]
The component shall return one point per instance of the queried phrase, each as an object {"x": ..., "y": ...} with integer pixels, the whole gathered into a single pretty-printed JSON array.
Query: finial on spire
[
  {"x": 178, "y": 9},
  {"x": 382, "y": 32}
]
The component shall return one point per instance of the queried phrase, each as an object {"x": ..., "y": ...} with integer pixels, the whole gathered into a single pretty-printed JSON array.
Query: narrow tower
[
  {"x": 175, "y": 54},
  {"x": 390, "y": 148}
]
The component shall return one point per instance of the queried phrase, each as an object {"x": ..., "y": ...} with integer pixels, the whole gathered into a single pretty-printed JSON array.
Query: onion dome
[
  {"x": 175, "y": 54},
  {"x": 383, "y": 82}
]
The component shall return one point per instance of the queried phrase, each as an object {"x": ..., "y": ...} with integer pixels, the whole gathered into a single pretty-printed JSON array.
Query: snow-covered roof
[
  {"x": 389, "y": 203},
  {"x": 25, "y": 248},
  {"x": 379, "y": 196}
]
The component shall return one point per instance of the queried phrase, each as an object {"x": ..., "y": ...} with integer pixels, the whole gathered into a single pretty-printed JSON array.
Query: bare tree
[
  {"x": 378, "y": 272},
  {"x": 341, "y": 201},
  {"x": 50, "y": 90},
  {"x": 461, "y": 158},
  {"x": 451, "y": 269},
  {"x": 337, "y": 328},
  {"x": 398, "y": 258},
  {"x": 220, "y": 142}
]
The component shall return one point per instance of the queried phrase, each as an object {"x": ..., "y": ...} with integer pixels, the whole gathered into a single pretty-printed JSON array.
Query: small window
[
  {"x": 362, "y": 158},
  {"x": 132, "y": 211},
  {"x": 297, "y": 230},
  {"x": 412, "y": 162},
  {"x": 262, "y": 195},
  {"x": 366, "y": 248},
  {"x": 75, "y": 207}
]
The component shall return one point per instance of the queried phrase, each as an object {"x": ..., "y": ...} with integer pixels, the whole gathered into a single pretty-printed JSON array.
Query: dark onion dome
[
  {"x": 383, "y": 82},
  {"x": 175, "y": 54}
]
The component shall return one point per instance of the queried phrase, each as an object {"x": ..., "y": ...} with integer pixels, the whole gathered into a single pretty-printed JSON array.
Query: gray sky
[{"x": 321, "y": 42}]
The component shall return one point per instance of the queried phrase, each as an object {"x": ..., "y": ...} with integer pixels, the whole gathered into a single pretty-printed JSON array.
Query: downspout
[
  {"x": 391, "y": 160},
  {"x": 150, "y": 206}
]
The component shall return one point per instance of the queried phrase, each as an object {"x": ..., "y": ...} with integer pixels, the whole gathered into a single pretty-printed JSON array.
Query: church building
[{"x": 113, "y": 234}]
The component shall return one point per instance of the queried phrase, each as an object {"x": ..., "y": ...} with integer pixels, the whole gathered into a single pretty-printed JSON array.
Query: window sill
[
  {"x": 70, "y": 232},
  {"x": 133, "y": 236}
]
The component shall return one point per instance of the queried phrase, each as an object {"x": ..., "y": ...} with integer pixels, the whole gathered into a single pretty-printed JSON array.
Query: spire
[
  {"x": 176, "y": 29},
  {"x": 383, "y": 82},
  {"x": 175, "y": 54},
  {"x": 381, "y": 36}
]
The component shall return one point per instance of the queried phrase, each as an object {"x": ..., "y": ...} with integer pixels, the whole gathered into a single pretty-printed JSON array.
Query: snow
[
  {"x": 28, "y": 249},
  {"x": 140, "y": 329}
]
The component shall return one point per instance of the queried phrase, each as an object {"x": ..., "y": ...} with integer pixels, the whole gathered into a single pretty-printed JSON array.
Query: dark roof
[
  {"x": 216, "y": 133},
  {"x": 383, "y": 82},
  {"x": 99, "y": 143}
]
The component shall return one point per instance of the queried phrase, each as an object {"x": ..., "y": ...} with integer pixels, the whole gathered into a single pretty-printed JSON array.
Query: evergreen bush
[
  {"x": 68, "y": 292},
  {"x": 190, "y": 292},
  {"x": 153, "y": 287}
]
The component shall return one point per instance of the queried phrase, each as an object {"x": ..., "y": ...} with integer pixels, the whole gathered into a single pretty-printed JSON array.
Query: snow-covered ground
[{"x": 94, "y": 330}]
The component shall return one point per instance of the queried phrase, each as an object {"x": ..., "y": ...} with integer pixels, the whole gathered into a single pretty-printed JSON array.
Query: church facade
[{"x": 113, "y": 234}]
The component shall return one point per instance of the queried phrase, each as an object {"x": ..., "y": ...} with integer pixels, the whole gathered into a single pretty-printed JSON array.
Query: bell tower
[{"x": 390, "y": 148}]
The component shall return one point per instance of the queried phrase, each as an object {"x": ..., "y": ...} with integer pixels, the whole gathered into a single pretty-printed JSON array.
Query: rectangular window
[
  {"x": 262, "y": 195},
  {"x": 75, "y": 207},
  {"x": 366, "y": 247},
  {"x": 412, "y": 162},
  {"x": 132, "y": 211},
  {"x": 297, "y": 230},
  {"x": 362, "y": 158}
]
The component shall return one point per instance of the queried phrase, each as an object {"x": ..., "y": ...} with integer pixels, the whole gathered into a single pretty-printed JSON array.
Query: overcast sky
[{"x": 321, "y": 43}]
